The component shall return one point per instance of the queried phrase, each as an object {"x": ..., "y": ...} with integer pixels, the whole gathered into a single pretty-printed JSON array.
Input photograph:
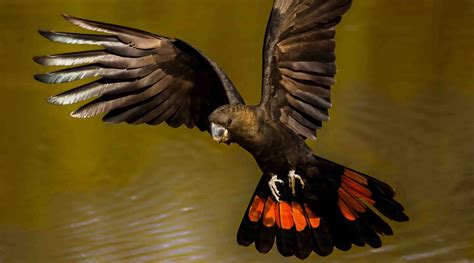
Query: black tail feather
[
  {"x": 379, "y": 226},
  {"x": 323, "y": 243},
  {"x": 304, "y": 244},
  {"x": 286, "y": 242},
  {"x": 247, "y": 233},
  {"x": 340, "y": 232},
  {"x": 266, "y": 239}
]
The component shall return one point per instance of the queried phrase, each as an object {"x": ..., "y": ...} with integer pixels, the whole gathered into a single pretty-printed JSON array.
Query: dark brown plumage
[{"x": 303, "y": 203}]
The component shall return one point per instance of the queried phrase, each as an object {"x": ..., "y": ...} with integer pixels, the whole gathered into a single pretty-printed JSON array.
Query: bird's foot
[
  {"x": 292, "y": 177},
  {"x": 272, "y": 184}
]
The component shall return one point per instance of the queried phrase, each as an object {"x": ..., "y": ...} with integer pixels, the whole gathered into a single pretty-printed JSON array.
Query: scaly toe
[
  {"x": 273, "y": 187},
  {"x": 292, "y": 177}
]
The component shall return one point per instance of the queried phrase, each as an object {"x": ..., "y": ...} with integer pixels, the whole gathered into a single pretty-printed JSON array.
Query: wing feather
[
  {"x": 162, "y": 103},
  {"x": 133, "y": 37},
  {"x": 108, "y": 103},
  {"x": 307, "y": 66},
  {"x": 299, "y": 62},
  {"x": 302, "y": 120},
  {"x": 142, "y": 77},
  {"x": 103, "y": 87},
  {"x": 110, "y": 43},
  {"x": 295, "y": 76},
  {"x": 168, "y": 113},
  {"x": 316, "y": 113},
  {"x": 88, "y": 71},
  {"x": 133, "y": 113},
  {"x": 101, "y": 57},
  {"x": 179, "y": 117},
  {"x": 294, "y": 86}
]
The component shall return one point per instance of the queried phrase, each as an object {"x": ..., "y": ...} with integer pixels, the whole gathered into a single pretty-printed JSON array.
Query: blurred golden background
[{"x": 84, "y": 191}]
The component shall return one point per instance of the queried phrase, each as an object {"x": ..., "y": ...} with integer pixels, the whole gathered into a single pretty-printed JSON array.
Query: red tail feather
[{"x": 319, "y": 218}]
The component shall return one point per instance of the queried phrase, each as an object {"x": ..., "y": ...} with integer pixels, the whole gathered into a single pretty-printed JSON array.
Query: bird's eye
[{"x": 229, "y": 121}]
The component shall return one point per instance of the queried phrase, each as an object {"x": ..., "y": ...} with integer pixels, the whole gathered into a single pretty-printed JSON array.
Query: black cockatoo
[{"x": 303, "y": 202}]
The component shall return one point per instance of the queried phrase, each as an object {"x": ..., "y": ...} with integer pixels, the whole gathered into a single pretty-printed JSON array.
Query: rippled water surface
[{"x": 84, "y": 191}]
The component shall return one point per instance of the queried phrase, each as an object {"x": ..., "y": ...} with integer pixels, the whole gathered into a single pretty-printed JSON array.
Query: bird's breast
[{"x": 281, "y": 151}]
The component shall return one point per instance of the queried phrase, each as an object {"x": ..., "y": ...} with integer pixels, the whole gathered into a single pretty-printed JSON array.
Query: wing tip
[
  {"x": 42, "y": 31},
  {"x": 51, "y": 34},
  {"x": 68, "y": 17},
  {"x": 48, "y": 78},
  {"x": 52, "y": 100},
  {"x": 40, "y": 60},
  {"x": 111, "y": 120},
  {"x": 84, "y": 113},
  {"x": 56, "y": 100},
  {"x": 402, "y": 217},
  {"x": 41, "y": 78},
  {"x": 78, "y": 114},
  {"x": 74, "y": 20},
  {"x": 45, "y": 33}
]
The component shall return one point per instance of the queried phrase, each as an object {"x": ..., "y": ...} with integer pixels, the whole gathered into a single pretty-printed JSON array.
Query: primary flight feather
[{"x": 303, "y": 202}]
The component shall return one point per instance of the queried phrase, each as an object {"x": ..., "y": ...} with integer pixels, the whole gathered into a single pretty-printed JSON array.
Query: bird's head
[{"x": 231, "y": 123}]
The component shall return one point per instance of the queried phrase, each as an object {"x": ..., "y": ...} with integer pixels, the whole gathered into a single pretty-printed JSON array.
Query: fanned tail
[
  {"x": 333, "y": 210},
  {"x": 297, "y": 228}
]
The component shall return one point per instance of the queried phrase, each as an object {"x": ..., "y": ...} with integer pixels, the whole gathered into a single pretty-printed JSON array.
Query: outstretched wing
[
  {"x": 140, "y": 77},
  {"x": 299, "y": 63}
]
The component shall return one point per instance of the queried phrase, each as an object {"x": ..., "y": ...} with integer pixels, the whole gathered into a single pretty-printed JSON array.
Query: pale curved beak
[{"x": 219, "y": 133}]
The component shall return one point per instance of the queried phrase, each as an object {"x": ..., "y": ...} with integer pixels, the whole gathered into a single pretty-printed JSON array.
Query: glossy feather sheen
[
  {"x": 294, "y": 76},
  {"x": 100, "y": 87},
  {"x": 90, "y": 71},
  {"x": 294, "y": 86},
  {"x": 306, "y": 47},
  {"x": 135, "y": 114},
  {"x": 300, "y": 47},
  {"x": 110, "y": 43},
  {"x": 135, "y": 38},
  {"x": 307, "y": 108},
  {"x": 97, "y": 57},
  {"x": 307, "y": 37},
  {"x": 301, "y": 120},
  {"x": 99, "y": 106},
  {"x": 166, "y": 108},
  {"x": 134, "y": 67},
  {"x": 295, "y": 125}
]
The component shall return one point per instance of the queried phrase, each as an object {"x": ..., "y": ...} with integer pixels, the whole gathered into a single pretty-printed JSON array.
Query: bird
[{"x": 303, "y": 202}]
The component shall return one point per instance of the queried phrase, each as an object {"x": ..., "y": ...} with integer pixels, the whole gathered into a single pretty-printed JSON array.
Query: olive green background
[{"x": 83, "y": 191}]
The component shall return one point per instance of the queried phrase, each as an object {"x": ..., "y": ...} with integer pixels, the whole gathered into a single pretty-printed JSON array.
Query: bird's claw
[
  {"x": 292, "y": 177},
  {"x": 272, "y": 184}
]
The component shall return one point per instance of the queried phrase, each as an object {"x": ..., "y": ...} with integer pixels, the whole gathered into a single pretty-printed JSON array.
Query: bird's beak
[{"x": 219, "y": 133}]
